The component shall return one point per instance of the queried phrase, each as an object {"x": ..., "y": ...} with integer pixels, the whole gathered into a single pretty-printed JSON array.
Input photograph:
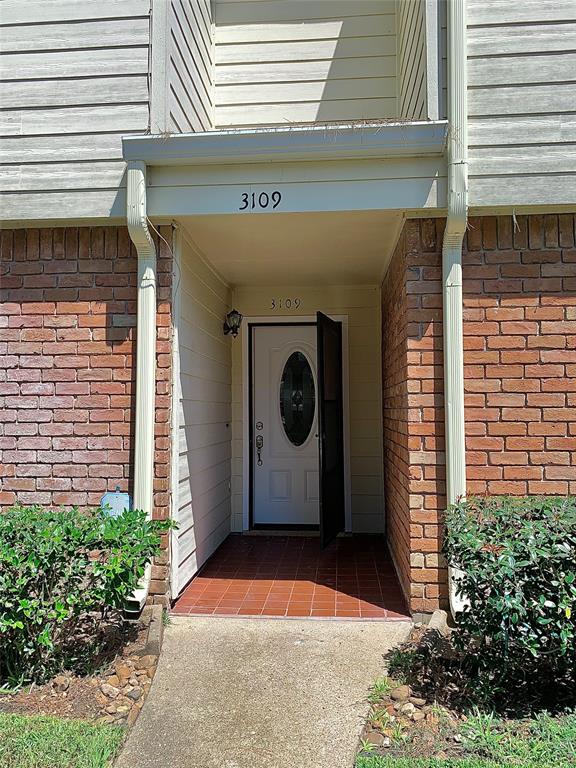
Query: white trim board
[
  {"x": 244, "y": 334},
  {"x": 310, "y": 142},
  {"x": 175, "y": 421}
]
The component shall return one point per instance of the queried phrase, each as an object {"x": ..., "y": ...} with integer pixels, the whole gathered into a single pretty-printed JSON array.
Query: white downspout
[
  {"x": 145, "y": 353},
  {"x": 452, "y": 265}
]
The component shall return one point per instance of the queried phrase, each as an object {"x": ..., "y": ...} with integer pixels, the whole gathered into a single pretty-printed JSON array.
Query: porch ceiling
[{"x": 297, "y": 248}]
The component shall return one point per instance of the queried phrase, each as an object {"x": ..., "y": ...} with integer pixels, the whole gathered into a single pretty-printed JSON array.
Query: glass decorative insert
[{"x": 297, "y": 398}]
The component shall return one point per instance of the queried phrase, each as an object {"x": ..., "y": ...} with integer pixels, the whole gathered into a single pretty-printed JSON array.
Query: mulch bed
[{"x": 113, "y": 694}]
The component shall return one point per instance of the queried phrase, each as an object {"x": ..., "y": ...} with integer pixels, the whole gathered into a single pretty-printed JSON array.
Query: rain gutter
[
  {"x": 452, "y": 267},
  {"x": 145, "y": 355}
]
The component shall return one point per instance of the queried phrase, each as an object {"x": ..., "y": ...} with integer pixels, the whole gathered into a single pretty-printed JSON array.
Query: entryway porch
[{"x": 292, "y": 577}]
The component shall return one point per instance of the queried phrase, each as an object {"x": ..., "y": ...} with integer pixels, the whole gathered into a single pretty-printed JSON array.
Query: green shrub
[
  {"x": 518, "y": 563},
  {"x": 61, "y": 572}
]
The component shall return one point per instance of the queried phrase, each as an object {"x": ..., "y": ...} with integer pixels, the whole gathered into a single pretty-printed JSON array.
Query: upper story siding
[
  {"x": 421, "y": 62},
  {"x": 522, "y": 102},
  {"x": 73, "y": 81},
  {"x": 286, "y": 61},
  {"x": 182, "y": 66},
  {"x": 77, "y": 75}
]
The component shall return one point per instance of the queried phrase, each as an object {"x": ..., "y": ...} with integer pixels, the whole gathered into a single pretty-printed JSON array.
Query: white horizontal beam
[
  {"x": 299, "y": 197},
  {"x": 320, "y": 142}
]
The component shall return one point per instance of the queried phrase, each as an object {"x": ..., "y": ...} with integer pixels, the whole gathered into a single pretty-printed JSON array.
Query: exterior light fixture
[{"x": 232, "y": 323}]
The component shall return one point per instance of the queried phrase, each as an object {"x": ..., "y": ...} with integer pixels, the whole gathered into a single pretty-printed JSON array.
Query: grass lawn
[
  {"x": 50, "y": 742},
  {"x": 540, "y": 742}
]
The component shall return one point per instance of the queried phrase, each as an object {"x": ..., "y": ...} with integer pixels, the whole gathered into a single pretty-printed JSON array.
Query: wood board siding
[
  {"x": 361, "y": 304},
  {"x": 522, "y": 102},
  {"x": 191, "y": 54},
  {"x": 411, "y": 40},
  {"x": 279, "y": 61},
  {"x": 203, "y": 399},
  {"x": 73, "y": 81},
  {"x": 421, "y": 59}
]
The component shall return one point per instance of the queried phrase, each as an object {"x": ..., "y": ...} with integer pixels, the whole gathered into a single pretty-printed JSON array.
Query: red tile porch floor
[{"x": 290, "y": 576}]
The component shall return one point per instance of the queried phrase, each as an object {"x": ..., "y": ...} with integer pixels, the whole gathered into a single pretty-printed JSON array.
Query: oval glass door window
[{"x": 297, "y": 398}]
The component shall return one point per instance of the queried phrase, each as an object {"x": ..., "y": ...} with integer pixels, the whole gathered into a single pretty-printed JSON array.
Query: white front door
[{"x": 285, "y": 425}]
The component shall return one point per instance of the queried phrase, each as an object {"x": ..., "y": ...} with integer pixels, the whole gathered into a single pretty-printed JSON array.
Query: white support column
[
  {"x": 145, "y": 350},
  {"x": 452, "y": 264}
]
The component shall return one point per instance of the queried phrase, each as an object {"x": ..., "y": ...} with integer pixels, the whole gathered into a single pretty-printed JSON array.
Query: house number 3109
[
  {"x": 286, "y": 303},
  {"x": 254, "y": 201}
]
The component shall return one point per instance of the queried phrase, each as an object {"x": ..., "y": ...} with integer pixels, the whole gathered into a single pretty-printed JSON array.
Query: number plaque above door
[{"x": 260, "y": 201}]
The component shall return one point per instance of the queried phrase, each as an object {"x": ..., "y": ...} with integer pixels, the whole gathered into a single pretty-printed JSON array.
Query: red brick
[
  {"x": 548, "y": 488},
  {"x": 522, "y": 473},
  {"x": 506, "y": 487},
  {"x": 539, "y": 428},
  {"x": 68, "y": 357},
  {"x": 560, "y": 473}
]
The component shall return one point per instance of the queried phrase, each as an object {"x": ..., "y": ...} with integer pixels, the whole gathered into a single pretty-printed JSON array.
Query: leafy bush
[
  {"x": 61, "y": 572},
  {"x": 518, "y": 562}
]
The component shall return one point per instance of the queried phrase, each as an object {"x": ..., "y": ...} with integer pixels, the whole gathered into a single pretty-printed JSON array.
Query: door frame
[{"x": 246, "y": 333}]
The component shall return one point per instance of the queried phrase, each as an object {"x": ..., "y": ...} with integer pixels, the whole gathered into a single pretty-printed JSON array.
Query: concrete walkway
[{"x": 260, "y": 693}]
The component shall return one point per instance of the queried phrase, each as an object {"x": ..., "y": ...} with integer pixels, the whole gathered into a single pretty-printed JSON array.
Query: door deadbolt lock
[
  {"x": 259, "y": 446},
  {"x": 259, "y": 426}
]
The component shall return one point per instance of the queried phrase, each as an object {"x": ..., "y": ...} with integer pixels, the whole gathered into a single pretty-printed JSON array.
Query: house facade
[{"x": 384, "y": 190}]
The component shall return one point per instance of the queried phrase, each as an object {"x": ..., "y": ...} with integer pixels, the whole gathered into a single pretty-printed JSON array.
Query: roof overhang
[
  {"x": 385, "y": 166},
  {"x": 361, "y": 140}
]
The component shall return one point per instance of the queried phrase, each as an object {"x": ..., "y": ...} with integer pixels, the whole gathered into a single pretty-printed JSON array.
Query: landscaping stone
[
  {"x": 123, "y": 671},
  {"x": 401, "y": 693},
  {"x": 418, "y": 716},
  {"x": 132, "y": 716},
  {"x": 109, "y": 690},
  {"x": 417, "y": 702},
  {"x": 61, "y": 683},
  {"x": 408, "y": 709},
  {"x": 375, "y": 738},
  {"x": 127, "y": 687},
  {"x": 439, "y": 622},
  {"x": 146, "y": 662}
]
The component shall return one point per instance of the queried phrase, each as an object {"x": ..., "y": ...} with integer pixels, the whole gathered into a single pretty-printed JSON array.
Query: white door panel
[{"x": 285, "y": 440}]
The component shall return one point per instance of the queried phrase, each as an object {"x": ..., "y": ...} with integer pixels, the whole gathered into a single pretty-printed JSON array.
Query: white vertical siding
[
  {"x": 203, "y": 450},
  {"x": 362, "y": 306},
  {"x": 281, "y": 61},
  {"x": 443, "y": 59},
  {"x": 522, "y": 102},
  {"x": 421, "y": 66},
  {"x": 73, "y": 81},
  {"x": 190, "y": 50},
  {"x": 411, "y": 41}
]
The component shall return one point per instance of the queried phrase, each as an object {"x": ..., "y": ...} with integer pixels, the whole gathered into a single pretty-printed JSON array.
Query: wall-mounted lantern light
[{"x": 232, "y": 323}]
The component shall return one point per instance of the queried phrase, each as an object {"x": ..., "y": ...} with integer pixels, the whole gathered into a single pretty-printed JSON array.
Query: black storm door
[{"x": 331, "y": 429}]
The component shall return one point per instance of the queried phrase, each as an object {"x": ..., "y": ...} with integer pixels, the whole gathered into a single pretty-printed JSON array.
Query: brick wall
[
  {"x": 67, "y": 346},
  {"x": 520, "y": 378},
  {"x": 395, "y": 414},
  {"x": 520, "y": 355},
  {"x": 413, "y": 412}
]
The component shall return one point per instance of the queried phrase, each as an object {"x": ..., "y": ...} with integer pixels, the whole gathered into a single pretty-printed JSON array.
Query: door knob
[{"x": 259, "y": 446}]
